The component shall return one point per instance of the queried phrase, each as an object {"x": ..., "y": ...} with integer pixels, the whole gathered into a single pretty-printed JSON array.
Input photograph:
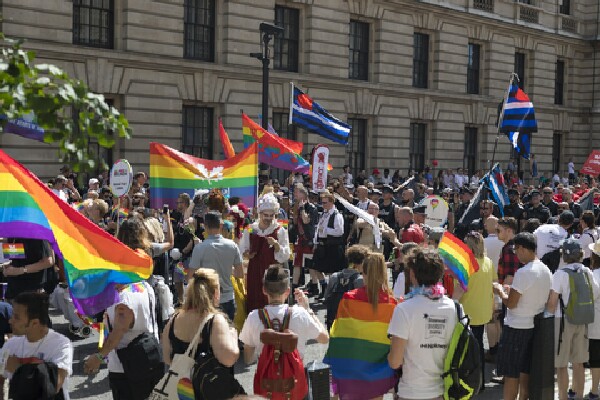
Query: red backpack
[{"x": 280, "y": 371}]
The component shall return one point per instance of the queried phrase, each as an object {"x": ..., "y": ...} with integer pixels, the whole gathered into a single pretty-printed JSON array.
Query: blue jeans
[{"x": 228, "y": 308}]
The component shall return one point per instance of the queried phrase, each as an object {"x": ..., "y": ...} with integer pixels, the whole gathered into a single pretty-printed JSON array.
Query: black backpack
[
  {"x": 462, "y": 365},
  {"x": 35, "y": 382},
  {"x": 339, "y": 287},
  {"x": 552, "y": 259}
]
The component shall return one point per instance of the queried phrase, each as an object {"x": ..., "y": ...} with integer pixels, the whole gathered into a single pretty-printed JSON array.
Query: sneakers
[{"x": 592, "y": 396}]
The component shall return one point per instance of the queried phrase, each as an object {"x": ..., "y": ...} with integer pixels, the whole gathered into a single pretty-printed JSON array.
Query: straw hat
[{"x": 595, "y": 248}]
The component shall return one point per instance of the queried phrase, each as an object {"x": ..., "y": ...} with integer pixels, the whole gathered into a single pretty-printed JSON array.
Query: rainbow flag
[
  {"x": 359, "y": 345},
  {"x": 284, "y": 223},
  {"x": 173, "y": 172},
  {"x": 274, "y": 150},
  {"x": 228, "y": 150},
  {"x": 458, "y": 257},
  {"x": 94, "y": 261}
]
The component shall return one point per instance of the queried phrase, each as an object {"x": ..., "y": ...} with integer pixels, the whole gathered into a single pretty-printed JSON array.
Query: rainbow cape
[
  {"x": 173, "y": 172},
  {"x": 274, "y": 150},
  {"x": 458, "y": 257},
  {"x": 94, "y": 261},
  {"x": 359, "y": 345}
]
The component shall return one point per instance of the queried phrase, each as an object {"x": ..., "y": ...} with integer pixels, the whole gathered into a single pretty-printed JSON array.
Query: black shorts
[
  {"x": 514, "y": 352},
  {"x": 594, "y": 349}
]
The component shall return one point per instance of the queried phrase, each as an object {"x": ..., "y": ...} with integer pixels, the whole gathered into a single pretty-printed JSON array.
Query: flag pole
[
  {"x": 513, "y": 76},
  {"x": 291, "y": 103}
]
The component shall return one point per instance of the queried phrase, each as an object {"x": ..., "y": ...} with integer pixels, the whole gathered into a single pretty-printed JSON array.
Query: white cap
[{"x": 93, "y": 181}]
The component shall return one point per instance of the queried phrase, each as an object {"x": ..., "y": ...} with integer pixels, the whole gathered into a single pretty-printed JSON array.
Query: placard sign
[
  {"x": 320, "y": 161},
  {"x": 121, "y": 178},
  {"x": 436, "y": 213}
]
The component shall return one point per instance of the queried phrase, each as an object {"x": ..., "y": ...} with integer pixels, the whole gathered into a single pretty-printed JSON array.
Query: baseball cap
[
  {"x": 93, "y": 181},
  {"x": 376, "y": 191},
  {"x": 375, "y": 171},
  {"x": 566, "y": 218},
  {"x": 570, "y": 246},
  {"x": 534, "y": 192},
  {"x": 387, "y": 189},
  {"x": 419, "y": 209}
]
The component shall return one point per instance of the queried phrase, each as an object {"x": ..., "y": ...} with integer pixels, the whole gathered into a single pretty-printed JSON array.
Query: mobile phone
[{"x": 165, "y": 208}]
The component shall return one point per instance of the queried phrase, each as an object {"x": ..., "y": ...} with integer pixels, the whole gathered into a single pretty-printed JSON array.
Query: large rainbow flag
[
  {"x": 274, "y": 150},
  {"x": 94, "y": 261},
  {"x": 359, "y": 345},
  {"x": 458, "y": 257},
  {"x": 173, "y": 172}
]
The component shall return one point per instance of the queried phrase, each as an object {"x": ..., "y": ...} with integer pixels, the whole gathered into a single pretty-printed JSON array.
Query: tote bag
[{"x": 177, "y": 383}]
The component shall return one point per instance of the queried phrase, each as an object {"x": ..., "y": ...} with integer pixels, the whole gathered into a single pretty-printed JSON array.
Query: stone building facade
[{"x": 418, "y": 80}]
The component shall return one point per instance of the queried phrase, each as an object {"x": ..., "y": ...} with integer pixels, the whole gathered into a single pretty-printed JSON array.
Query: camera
[
  {"x": 271, "y": 29},
  {"x": 165, "y": 208},
  {"x": 197, "y": 199},
  {"x": 146, "y": 185}
]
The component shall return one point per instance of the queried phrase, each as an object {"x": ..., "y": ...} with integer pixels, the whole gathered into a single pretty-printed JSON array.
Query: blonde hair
[
  {"x": 101, "y": 205},
  {"x": 475, "y": 242},
  {"x": 375, "y": 273},
  {"x": 155, "y": 231},
  {"x": 201, "y": 291}
]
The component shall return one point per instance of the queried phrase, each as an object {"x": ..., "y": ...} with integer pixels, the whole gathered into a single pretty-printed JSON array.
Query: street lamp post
[{"x": 267, "y": 32}]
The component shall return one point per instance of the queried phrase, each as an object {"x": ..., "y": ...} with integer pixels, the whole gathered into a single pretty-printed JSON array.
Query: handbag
[
  {"x": 212, "y": 380},
  {"x": 142, "y": 361},
  {"x": 176, "y": 383}
]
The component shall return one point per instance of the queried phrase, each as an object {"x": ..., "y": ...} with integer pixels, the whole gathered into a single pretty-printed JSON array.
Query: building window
[
  {"x": 559, "y": 82},
  {"x": 286, "y": 45},
  {"x": 556, "y": 147},
  {"x": 417, "y": 147},
  {"x": 358, "y": 67},
  {"x": 520, "y": 68},
  {"x": 565, "y": 7},
  {"x": 199, "y": 30},
  {"x": 473, "y": 68},
  {"x": 420, "y": 60},
  {"x": 197, "y": 132},
  {"x": 93, "y": 23},
  {"x": 470, "y": 159},
  {"x": 280, "y": 124},
  {"x": 357, "y": 143}
]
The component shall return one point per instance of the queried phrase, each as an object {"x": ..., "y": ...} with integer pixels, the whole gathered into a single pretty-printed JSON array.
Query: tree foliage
[{"x": 64, "y": 107}]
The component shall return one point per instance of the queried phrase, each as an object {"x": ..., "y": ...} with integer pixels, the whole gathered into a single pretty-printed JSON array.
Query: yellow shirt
[{"x": 478, "y": 300}]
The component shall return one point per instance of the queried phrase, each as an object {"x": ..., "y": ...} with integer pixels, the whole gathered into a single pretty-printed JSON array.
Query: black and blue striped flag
[{"x": 517, "y": 120}]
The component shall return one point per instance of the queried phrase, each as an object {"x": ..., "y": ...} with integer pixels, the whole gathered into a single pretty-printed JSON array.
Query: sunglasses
[{"x": 268, "y": 215}]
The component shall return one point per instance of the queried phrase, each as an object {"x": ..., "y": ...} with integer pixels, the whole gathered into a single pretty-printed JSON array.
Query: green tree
[{"x": 64, "y": 107}]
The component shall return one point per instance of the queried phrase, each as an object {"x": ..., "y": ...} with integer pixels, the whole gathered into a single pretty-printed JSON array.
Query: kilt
[
  {"x": 301, "y": 248},
  {"x": 330, "y": 255}
]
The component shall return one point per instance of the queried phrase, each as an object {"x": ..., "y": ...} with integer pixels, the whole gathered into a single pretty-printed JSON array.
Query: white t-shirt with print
[
  {"x": 571, "y": 167},
  {"x": 139, "y": 303},
  {"x": 533, "y": 282},
  {"x": 560, "y": 283},
  {"x": 301, "y": 323},
  {"x": 594, "y": 327},
  {"x": 427, "y": 326},
  {"x": 493, "y": 248},
  {"x": 549, "y": 237},
  {"x": 54, "y": 348}
]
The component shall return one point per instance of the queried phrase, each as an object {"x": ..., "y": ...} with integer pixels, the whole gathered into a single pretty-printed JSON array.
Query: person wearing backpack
[
  {"x": 341, "y": 282},
  {"x": 524, "y": 299},
  {"x": 297, "y": 325},
  {"x": 421, "y": 329},
  {"x": 571, "y": 300},
  {"x": 549, "y": 237},
  {"x": 359, "y": 343},
  {"x": 589, "y": 234},
  {"x": 594, "y": 327}
]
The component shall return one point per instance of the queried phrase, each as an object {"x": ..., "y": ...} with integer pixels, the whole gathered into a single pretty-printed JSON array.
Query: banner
[
  {"x": 320, "y": 160},
  {"x": 436, "y": 213},
  {"x": 592, "y": 164}
]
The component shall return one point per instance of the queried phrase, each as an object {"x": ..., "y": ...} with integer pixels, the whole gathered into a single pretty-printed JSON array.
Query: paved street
[{"x": 96, "y": 388}]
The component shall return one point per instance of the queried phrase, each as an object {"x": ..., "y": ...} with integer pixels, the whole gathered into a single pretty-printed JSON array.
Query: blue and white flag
[
  {"x": 517, "y": 120},
  {"x": 521, "y": 142},
  {"x": 309, "y": 115},
  {"x": 495, "y": 182}
]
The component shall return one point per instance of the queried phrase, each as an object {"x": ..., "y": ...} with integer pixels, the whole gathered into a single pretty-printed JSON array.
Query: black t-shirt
[
  {"x": 181, "y": 236},
  {"x": 387, "y": 213},
  {"x": 35, "y": 250}
]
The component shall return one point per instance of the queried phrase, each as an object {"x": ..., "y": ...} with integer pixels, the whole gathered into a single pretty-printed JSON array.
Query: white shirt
[
  {"x": 533, "y": 282},
  {"x": 460, "y": 180},
  {"x": 348, "y": 179},
  {"x": 447, "y": 179},
  {"x": 594, "y": 327},
  {"x": 556, "y": 178},
  {"x": 338, "y": 225},
  {"x": 493, "y": 247},
  {"x": 474, "y": 180},
  {"x": 400, "y": 285},
  {"x": 587, "y": 237},
  {"x": 427, "y": 326},
  {"x": 139, "y": 303},
  {"x": 363, "y": 205},
  {"x": 301, "y": 323},
  {"x": 571, "y": 167},
  {"x": 386, "y": 181},
  {"x": 61, "y": 194},
  {"x": 549, "y": 237},
  {"x": 560, "y": 283},
  {"x": 281, "y": 256},
  {"x": 54, "y": 348}
]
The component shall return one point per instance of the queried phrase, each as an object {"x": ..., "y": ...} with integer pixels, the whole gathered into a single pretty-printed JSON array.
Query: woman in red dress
[{"x": 265, "y": 243}]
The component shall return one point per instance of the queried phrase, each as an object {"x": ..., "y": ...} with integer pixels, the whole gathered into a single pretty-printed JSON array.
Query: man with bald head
[
  {"x": 567, "y": 197},
  {"x": 409, "y": 231},
  {"x": 493, "y": 245},
  {"x": 362, "y": 201},
  {"x": 408, "y": 198}
]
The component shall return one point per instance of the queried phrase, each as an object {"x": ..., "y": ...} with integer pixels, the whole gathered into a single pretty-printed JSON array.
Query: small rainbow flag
[
  {"x": 458, "y": 257},
  {"x": 228, "y": 150},
  {"x": 180, "y": 269},
  {"x": 13, "y": 250},
  {"x": 284, "y": 223},
  {"x": 359, "y": 345},
  {"x": 173, "y": 172},
  {"x": 94, "y": 261},
  {"x": 123, "y": 213}
]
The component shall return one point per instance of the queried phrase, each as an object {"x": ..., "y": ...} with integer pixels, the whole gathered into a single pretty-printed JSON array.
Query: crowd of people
[{"x": 224, "y": 272}]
